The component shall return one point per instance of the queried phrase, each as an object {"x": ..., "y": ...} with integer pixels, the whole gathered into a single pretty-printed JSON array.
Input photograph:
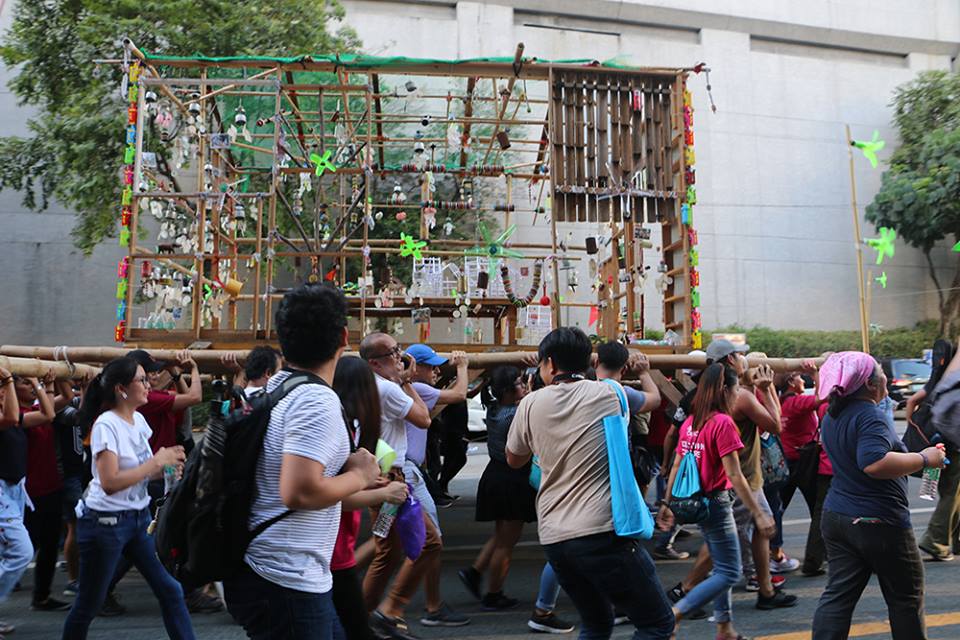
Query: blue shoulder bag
[{"x": 631, "y": 516}]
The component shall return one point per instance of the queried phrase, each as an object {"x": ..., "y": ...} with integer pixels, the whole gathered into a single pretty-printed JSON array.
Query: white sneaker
[{"x": 786, "y": 565}]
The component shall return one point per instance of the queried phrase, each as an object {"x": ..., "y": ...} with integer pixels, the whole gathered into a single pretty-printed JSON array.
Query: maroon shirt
[
  {"x": 43, "y": 474},
  {"x": 161, "y": 417}
]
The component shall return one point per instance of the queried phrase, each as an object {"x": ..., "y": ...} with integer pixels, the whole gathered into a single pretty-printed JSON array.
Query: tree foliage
[
  {"x": 73, "y": 154},
  {"x": 920, "y": 192}
]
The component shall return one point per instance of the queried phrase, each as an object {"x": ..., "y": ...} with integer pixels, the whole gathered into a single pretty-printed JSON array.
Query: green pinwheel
[
  {"x": 411, "y": 247},
  {"x": 870, "y": 147},
  {"x": 884, "y": 245},
  {"x": 493, "y": 248},
  {"x": 322, "y": 163},
  {"x": 882, "y": 279},
  {"x": 956, "y": 247}
]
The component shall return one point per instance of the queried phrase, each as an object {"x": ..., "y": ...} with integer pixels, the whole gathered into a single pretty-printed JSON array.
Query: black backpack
[{"x": 201, "y": 528}]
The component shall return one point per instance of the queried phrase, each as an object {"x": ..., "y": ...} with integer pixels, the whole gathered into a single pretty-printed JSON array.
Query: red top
[
  {"x": 717, "y": 438},
  {"x": 343, "y": 556},
  {"x": 798, "y": 419},
  {"x": 162, "y": 419},
  {"x": 825, "y": 468},
  {"x": 659, "y": 425},
  {"x": 43, "y": 475}
]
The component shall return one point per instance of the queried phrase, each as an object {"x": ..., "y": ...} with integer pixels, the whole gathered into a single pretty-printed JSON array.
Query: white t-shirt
[
  {"x": 295, "y": 552},
  {"x": 130, "y": 443},
  {"x": 394, "y": 407}
]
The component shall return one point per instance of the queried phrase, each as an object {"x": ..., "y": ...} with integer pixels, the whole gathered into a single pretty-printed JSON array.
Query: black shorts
[{"x": 72, "y": 492}]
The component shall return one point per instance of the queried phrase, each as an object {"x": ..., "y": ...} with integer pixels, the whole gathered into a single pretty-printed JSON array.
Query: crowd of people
[{"x": 83, "y": 467}]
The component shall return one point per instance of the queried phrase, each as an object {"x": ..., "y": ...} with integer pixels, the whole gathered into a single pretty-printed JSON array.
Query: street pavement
[{"x": 463, "y": 538}]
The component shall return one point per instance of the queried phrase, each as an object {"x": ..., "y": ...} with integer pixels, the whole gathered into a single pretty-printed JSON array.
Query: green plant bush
[{"x": 794, "y": 343}]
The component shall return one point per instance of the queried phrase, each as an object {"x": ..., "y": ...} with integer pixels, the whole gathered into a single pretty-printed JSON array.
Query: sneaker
[
  {"x": 199, "y": 602},
  {"x": 939, "y": 557},
  {"x": 676, "y": 594},
  {"x": 111, "y": 607},
  {"x": 498, "y": 602},
  {"x": 813, "y": 573},
  {"x": 619, "y": 617},
  {"x": 445, "y": 500},
  {"x": 548, "y": 623},
  {"x": 386, "y": 627},
  {"x": 753, "y": 584},
  {"x": 72, "y": 588},
  {"x": 472, "y": 580},
  {"x": 669, "y": 553},
  {"x": 683, "y": 533},
  {"x": 443, "y": 617},
  {"x": 6, "y": 627},
  {"x": 50, "y": 604},
  {"x": 778, "y": 600},
  {"x": 784, "y": 565}
]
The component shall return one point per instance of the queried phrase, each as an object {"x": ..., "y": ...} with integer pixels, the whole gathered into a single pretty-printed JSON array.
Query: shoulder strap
[
  {"x": 298, "y": 377},
  {"x": 624, "y": 407}
]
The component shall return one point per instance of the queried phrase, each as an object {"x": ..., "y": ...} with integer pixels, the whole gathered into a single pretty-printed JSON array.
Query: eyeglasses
[
  {"x": 144, "y": 380},
  {"x": 393, "y": 353}
]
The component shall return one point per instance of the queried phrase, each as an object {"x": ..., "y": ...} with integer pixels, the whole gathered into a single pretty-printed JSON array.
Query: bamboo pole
[
  {"x": 209, "y": 359},
  {"x": 34, "y": 368},
  {"x": 858, "y": 243}
]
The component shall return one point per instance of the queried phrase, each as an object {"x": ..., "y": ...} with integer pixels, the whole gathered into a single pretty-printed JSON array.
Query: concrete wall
[
  {"x": 774, "y": 214},
  {"x": 774, "y": 219}
]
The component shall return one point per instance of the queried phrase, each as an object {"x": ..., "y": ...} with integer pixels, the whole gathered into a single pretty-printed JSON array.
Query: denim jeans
[
  {"x": 16, "y": 550},
  {"x": 414, "y": 478},
  {"x": 856, "y": 549},
  {"x": 720, "y": 533},
  {"x": 268, "y": 611},
  {"x": 549, "y": 589},
  {"x": 601, "y": 571},
  {"x": 103, "y": 537}
]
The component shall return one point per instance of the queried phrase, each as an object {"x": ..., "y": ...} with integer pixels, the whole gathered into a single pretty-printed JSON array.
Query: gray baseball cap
[{"x": 719, "y": 349}]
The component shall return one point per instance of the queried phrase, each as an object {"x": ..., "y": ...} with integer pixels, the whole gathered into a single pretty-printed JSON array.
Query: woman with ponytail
[
  {"x": 866, "y": 518},
  {"x": 711, "y": 434},
  {"x": 114, "y": 514}
]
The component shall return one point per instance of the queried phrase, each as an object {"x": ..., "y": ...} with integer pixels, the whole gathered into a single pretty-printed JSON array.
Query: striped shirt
[{"x": 295, "y": 552}]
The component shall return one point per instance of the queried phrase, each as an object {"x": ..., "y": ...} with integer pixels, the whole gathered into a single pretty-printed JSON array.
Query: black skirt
[{"x": 504, "y": 493}]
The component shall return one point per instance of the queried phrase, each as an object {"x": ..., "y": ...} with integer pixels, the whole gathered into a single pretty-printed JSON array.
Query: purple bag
[{"x": 410, "y": 527}]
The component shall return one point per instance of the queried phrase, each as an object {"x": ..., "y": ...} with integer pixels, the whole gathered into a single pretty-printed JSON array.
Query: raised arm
[
  {"x": 458, "y": 391},
  {"x": 11, "y": 407},
  {"x": 194, "y": 393},
  {"x": 46, "y": 413}
]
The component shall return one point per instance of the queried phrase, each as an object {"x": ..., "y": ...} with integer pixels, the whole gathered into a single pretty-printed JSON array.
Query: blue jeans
[
  {"x": 268, "y": 611},
  {"x": 603, "y": 571},
  {"x": 720, "y": 533},
  {"x": 103, "y": 537},
  {"x": 16, "y": 550},
  {"x": 549, "y": 589}
]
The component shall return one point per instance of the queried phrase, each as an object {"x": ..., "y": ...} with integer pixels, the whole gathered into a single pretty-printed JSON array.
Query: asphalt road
[{"x": 463, "y": 538}]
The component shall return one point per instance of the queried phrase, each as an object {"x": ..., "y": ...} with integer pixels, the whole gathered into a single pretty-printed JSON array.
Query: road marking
[{"x": 871, "y": 628}]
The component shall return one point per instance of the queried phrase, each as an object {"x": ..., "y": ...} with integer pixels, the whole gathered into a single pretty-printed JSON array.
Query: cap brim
[
  {"x": 741, "y": 348},
  {"x": 435, "y": 361},
  {"x": 155, "y": 366}
]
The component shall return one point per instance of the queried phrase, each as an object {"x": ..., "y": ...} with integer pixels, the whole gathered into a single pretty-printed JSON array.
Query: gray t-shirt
[{"x": 295, "y": 552}]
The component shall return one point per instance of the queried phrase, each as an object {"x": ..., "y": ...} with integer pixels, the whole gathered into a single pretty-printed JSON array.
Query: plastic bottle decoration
[
  {"x": 694, "y": 278},
  {"x": 400, "y": 216},
  {"x": 120, "y": 332},
  {"x": 535, "y": 285},
  {"x": 483, "y": 280},
  {"x": 398, "y": 196},
  {"x": 697, "y": 339},
  {"x": 448, "y": 227},
  {"x": 503, "y": 139},
  {"x": 494, "y": 249},
  {"x": 429, "y": 217},
  {"x": 694, "y": 258},
  {"x": 694, "y": 297}
]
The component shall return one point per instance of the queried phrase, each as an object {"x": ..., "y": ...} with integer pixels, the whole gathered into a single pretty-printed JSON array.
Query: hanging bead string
[{"x": 508, "y": 286}]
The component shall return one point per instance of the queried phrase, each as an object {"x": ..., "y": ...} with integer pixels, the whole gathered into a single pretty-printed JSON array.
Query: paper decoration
[
  {"x": 322, "y": 163},
  {"x": 870, "y": 147},
  {"x": 884, "y": 245},
  {"x": 494, "y": 249},
  {"x": 411, "y": 247},
  {"x": 594, "y": 316}
]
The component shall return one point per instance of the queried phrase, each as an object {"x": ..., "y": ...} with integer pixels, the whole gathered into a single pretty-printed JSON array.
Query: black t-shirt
[
  {"x": 13, "y": 454},
  {"x": 69, "y": 441}
]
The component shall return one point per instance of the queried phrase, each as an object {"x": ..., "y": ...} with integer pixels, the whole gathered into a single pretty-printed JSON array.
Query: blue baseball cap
[{"x": 425, "y": 355}]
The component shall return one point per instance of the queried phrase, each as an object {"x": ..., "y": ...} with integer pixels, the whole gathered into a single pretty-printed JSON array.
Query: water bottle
[
  {"x": 928, "y": 484},
  {"x": 388, "y": 513},
  {"x": 169, "y": 478}
]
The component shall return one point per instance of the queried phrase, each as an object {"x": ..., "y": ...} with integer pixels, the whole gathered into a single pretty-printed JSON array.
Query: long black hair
[
  {"x": 713, "y": 393},
  {"x": 356, "y": 385},
  {"x": 503, "y": 381},
  {"x": 101, "y": 394}
]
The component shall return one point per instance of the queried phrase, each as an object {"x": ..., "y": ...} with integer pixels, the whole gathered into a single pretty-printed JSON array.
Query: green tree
[
  {"x": 920, "y": 193},
  {"x": 74, "y": 153}
]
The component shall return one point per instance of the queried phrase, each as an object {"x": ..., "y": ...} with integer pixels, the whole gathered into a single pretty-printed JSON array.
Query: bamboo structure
[
  {"x": 262, "y": 173},
  {"x": 33, "y": 367},
  {"x": 210, "y": 361}
]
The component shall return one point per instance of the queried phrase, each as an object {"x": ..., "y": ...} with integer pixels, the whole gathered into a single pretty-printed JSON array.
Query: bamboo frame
[{"x": 571, "y": 161}]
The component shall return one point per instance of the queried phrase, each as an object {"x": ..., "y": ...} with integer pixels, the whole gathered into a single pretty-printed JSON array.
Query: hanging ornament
[
  {"x": 430, "y": 217},
  {"x": 526, "y": 300},
  {"x": 398, "y": 196},
  {"x": 494, "y": 249},
  {"x": 448, "y": 227},
  {"x": 400, "y": 216}
]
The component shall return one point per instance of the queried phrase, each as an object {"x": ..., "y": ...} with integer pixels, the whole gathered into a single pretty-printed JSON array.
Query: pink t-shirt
[
  {"x": 825, "y": 468},
  {"x": 798, "y": 420},
  {"x": 717, "y": 438}
]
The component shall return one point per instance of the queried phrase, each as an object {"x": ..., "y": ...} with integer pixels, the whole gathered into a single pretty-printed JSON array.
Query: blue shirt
[{"x": 856, "y": 439}]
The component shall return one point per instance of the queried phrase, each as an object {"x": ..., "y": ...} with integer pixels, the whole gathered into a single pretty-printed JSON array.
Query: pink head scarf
[{"x": 845, "y": 372}]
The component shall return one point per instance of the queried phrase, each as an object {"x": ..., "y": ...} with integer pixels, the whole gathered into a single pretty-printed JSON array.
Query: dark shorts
[{"x": 72, "y": 492}]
